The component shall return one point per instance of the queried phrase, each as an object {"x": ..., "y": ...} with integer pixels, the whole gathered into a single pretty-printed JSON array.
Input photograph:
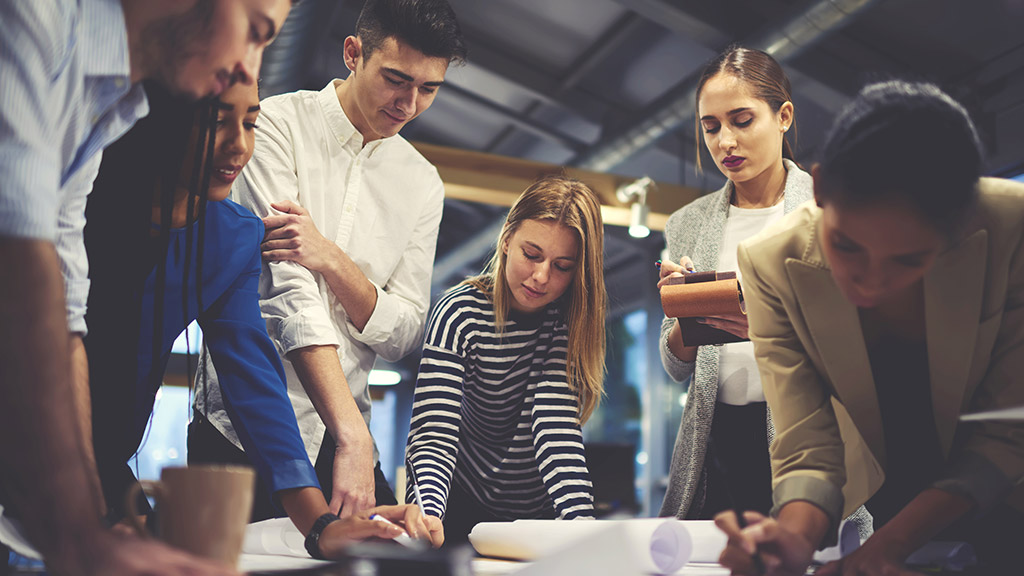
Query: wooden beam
[{"x": 499, "y": 180}]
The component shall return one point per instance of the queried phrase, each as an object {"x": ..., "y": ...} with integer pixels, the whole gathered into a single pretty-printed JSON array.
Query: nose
[
  {"x": 726, "y": 139},
  {"x": 541, "y": 272},
  {"x": 234, "y": 140},
  {"x": 248, "y": 69},
  {"x": 405, "y": 102},
  {"x": 872, "y": 280}
]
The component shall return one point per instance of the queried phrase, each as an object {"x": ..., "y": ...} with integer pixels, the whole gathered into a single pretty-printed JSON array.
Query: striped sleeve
[
  {"x": 558, "y": 441},
  {"x": 436, "y": 413}
]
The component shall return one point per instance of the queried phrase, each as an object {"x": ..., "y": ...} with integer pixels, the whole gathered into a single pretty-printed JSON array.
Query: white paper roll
[{"x": 657, "y": 545}]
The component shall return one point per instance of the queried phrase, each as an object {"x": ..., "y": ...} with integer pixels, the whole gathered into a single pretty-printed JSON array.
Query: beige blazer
[{"x": 829, "y": 446}]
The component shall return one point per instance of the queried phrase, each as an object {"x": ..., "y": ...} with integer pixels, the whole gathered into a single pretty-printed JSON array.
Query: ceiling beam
[{"x": 499, "y": 180}]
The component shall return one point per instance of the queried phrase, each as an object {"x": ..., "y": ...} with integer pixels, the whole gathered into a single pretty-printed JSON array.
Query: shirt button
[{"x": 348, "y": 209}]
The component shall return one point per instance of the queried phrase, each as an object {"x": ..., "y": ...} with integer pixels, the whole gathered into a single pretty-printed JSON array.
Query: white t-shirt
[{"x": 739, "y": 381}]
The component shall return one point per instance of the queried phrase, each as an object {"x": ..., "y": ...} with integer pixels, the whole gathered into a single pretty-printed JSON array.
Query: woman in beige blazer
[{"x": 879, "y": 317}]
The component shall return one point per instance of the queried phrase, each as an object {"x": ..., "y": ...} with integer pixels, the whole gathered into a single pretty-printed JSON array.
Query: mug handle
[{"x": 147, "y": 486}]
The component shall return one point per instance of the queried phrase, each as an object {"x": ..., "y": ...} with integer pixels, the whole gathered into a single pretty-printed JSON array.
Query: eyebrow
[
  {"x": 732, "y": 112},
  {"x": 408, "y": 78},
  {"x": 569, "y": 258},
  {"x": 229, "y": 107},
  {"x": 251, "y": 109}
]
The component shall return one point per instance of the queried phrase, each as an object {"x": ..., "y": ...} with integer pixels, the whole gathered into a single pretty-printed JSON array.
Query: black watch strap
[{"x": 313, "y": 538}]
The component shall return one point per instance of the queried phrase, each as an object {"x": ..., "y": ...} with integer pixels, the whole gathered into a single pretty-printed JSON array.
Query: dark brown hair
[{"x": 760, "y": 72}]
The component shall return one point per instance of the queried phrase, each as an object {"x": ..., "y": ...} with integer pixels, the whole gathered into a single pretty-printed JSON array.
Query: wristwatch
[{"x": 313, "y": 538}]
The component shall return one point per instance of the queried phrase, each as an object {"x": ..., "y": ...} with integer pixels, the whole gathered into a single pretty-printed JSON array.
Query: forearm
[
  {"x": 806, "y": 520},
  {"x": 678, "y": 348},
  {"x": 321, "y": 375},
  {"x": 352, "y": 288},
  {"x": 926, "y": 515},
  {"x": 40, "y": 447},
  {"x": 83, "y": 409},
  {"x": 303, "y": 506}
]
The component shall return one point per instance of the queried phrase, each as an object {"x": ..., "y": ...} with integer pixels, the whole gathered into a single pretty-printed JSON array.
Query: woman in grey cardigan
[{"x": 744, "y": 111}]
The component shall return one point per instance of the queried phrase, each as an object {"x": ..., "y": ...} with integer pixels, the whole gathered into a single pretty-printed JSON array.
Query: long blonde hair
[{"x": 572, "y": 204}]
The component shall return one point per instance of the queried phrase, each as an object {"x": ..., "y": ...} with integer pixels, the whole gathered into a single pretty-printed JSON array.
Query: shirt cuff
[
  {"x": 382, "y": 320},
  {"x": 307, "y": 327},
  {"x": 979, "y": 479},
  {"x": 678, "y": 369},
  {"x": 821, "y": 493},
  {"x": 292, "y": 474},
  {"x": 76, "y": 294}
]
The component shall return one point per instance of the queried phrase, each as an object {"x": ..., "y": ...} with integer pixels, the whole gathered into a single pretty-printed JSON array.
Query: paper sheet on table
[
  {"x": 658, "y": 545},
  {"x": 12, "y": 536},
  {"x": 1016, "y": 413},
  {"x": 276, "y": 537}
]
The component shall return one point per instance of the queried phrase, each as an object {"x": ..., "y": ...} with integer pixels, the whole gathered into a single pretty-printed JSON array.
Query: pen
[
  {"x": 416, "y": 485},
  {"x": 403, "y": 538}
]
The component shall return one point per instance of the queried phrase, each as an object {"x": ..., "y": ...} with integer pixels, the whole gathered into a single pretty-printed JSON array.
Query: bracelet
[{"x": 313, "y": 538}]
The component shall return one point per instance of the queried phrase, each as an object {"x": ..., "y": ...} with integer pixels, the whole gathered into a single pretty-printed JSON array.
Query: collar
[
  {"x": 103, "y": 37},
  {"x": 343, "y": 128}
]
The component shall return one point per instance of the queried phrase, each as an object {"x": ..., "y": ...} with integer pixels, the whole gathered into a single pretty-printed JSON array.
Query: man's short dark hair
[{"x": 426, "y": 25}]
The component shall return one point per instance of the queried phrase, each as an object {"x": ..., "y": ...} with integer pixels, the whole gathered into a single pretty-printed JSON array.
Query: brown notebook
[{"x": 700, "y": 294}]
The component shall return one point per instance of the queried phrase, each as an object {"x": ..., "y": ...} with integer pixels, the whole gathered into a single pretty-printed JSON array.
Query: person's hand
[
  {"x": 877, "y": 557},
  {"x": 106, "y": 553},
  {"x": 292, "y": 236},
  {"x": 782, "y": 552},
  {"x": 404, "y": 519},
  {"x": 735, "y": 324},
  {"x": 670, "y": 269},
  {"x": 354, "y": 488}
]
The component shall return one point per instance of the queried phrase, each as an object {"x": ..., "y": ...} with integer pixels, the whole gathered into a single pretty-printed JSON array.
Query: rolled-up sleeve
[
  {"x": 395, "y": 327},
  {"x": 807, "y": 456},
  {"x": 291, "y": 301},
  {"x": 70, "y": 244},
  {"x": 990, "y": 462}
]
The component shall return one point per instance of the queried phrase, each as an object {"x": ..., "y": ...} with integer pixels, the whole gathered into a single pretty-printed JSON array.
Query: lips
[
  {"x": 733, "y": 161},
  {"x": 226, "y": 174},
  {"x": 530, "y": 292},
  {"x": 395, "y": 119}
]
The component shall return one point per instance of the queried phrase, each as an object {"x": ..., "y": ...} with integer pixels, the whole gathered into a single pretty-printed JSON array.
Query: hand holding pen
[{"x": 668, "y": 269}]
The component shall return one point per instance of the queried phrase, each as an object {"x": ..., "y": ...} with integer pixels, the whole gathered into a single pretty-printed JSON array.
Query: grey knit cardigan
[{"x": 696, "y": 230}]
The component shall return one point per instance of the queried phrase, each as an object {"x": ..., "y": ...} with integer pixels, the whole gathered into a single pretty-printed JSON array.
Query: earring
[{"x": 785, "y": 128}]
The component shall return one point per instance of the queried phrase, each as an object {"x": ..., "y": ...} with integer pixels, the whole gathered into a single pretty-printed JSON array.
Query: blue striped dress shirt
[{"x": 65, "y": 94}]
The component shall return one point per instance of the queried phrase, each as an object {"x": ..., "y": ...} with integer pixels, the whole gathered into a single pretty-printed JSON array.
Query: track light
[{"x": 636, "y": 193}]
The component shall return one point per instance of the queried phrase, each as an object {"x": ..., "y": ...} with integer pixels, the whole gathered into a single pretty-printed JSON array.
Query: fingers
[
  {"x": 665, "y": 278},
  {"x": 288, "y": 207},
  {"x": 686, "y": 263},
  {"x": 436, "y": 530}
]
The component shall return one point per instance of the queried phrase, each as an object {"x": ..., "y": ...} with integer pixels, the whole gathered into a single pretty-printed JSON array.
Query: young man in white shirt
[
  {"x": 352, "y": 212},
  {"x": 70, "y": 72}
]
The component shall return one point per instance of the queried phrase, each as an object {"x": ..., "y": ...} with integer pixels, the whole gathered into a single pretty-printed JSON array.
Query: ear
[
  {"x": 504, "y": 245},
  {"x": 815, "y": 171},
  {"x": 786, "y": 115},
  {"x": 352, "y": 52}
]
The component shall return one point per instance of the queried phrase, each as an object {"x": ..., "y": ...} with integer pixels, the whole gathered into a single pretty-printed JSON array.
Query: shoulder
[
  {"x": 41, "y": 32},
  {"x": 1001, "y": 201},
  {"x": 799, "y": 185},
  {"x": 790, "y": 237},
  {"x": 464, "y": 301},
  {"x": 234, "y": 224},
  {"x": 413, "y": 164},
  {"x": 695, "y": 212}
]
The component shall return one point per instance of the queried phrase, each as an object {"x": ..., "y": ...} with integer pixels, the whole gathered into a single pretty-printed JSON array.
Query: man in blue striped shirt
[{"x": 69, "y": 86}]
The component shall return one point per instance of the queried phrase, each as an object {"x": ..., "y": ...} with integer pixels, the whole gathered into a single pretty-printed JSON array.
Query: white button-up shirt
[{"x": 381, "y": 203}]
